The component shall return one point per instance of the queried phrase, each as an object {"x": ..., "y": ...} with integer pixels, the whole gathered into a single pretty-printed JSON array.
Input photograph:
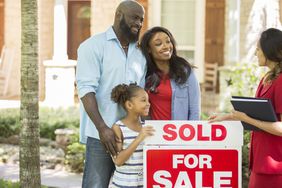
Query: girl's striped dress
[{"x": 130, "y": 174}]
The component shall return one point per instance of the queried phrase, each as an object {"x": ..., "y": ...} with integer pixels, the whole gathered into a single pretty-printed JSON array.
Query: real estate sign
[{"x": 193, "y": 154}]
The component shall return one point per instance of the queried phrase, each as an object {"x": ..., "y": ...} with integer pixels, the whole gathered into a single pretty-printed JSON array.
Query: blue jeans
[{"x": 98, "y": 166}]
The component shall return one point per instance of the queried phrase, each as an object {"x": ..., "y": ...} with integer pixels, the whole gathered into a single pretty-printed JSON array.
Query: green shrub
[
  {"x": 49, "y": 120},
  {"x": 204, "y": 116},
  {"x": 239, "y": 80},
  {"x": 75, "y": 155},
  {"x": 245, "y": 159},
  {"x": 9, "y": 122},
  {"x": 9, "y": 184}
]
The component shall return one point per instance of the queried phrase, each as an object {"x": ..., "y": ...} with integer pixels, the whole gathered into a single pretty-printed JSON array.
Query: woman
[
  {"x": 173, "y": 89},
  {"x": 266, "y": 145}
]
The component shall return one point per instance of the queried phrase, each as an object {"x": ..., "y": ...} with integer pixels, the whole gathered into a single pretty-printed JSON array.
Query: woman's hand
[
  {"x": 241, "y": 116},
  {"x": 234, "y": 115},
  {"x": 219, "y": 117}
]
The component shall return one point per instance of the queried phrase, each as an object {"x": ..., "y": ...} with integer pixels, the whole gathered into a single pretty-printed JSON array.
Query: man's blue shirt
[{"x": 102, "y": 64}]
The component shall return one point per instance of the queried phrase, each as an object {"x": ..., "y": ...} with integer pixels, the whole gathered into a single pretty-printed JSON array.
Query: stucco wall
[
  {"x": 12, "y": 38},
  {"x": 245, "y": 11},
  {"x": 103, "y": 15}
]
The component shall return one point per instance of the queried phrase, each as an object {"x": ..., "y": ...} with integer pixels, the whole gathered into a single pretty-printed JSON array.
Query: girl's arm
[{"x": 124, "y": 154}]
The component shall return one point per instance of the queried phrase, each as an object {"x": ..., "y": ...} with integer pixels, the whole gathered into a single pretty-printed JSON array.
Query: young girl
[{"x": 130, "y": 135}]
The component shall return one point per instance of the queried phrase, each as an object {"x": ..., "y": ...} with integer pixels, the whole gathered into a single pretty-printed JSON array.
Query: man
[{"x": 104, "y": 61}]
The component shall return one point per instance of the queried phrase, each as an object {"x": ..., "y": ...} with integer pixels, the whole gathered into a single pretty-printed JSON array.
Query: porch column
[
  {"x": 60, "y": 30},
  {"x": 59, "y": 71}
]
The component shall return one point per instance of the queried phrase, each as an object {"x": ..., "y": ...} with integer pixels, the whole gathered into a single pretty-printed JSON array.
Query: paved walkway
[{"x": 50, "y": 178}]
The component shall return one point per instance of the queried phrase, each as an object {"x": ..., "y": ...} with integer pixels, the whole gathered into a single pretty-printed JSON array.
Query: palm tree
[{"x": 29, "y": 136}]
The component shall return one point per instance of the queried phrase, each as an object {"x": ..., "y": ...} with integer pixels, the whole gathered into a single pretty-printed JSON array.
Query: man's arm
[{"x": 106, "y": 134}]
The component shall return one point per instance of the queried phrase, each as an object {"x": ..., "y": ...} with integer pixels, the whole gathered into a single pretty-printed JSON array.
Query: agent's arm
[{"x": 274, "y": 128}]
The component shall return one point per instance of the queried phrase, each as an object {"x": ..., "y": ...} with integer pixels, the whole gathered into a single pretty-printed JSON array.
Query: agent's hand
[
  {"x": 146, "y": 131},
  {"x": 108, "y": 139},
  {"x": 234, "y": 115},
  {"x": 241, "y": 116},
  {"x": 219, "y": 117}
]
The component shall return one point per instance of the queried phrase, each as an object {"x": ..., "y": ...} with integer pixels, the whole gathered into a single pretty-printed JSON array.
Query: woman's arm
[
  {"x": 194, "y": 97},
  {"x": 274, "y": 128},
  {"x": 125, "y": 154}
]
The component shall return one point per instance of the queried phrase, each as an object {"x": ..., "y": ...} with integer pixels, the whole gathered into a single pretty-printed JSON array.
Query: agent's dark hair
[
  {"x": 271, "y": 46},
  {"x": 122, "y": 93},
  {"x": 179, "y": 68}
]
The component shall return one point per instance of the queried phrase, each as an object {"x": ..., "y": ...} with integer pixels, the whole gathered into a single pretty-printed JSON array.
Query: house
[{"x": 207, "y": 31}]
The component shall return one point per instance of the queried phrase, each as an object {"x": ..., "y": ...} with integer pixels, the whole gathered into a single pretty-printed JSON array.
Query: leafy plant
[
  {"x": 49, "y": 120},
  {"x": 239, "y": 80},
  {"x": 10, "y": 184},
  {"x": 75, "y": 156}
]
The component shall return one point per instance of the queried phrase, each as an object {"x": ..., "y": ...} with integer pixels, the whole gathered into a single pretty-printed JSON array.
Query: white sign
[{"x": 196, "y": 133}]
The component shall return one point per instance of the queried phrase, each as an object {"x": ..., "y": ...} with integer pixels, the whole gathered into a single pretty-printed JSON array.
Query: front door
[
  {"x": 79, "y": 14},
  {"x": 214, "y": 41}
]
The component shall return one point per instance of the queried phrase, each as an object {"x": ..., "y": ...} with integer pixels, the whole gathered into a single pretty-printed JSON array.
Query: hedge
[{"x": 49, "y": 120}]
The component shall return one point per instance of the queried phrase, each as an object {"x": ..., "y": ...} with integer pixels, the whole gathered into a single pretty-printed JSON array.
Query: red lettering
[
  {"x": 218, "y": 128},
  {"x": 192, "y": 132},
  {"x": 200, "y": 134},
  {"x": 170, "y": 130}
]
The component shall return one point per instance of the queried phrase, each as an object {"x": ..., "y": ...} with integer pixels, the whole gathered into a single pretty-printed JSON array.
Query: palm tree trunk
[{"x": 29, "y": 136}]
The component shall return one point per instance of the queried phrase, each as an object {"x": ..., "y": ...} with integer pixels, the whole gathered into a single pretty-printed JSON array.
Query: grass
[{"x": 11, "y": 184}]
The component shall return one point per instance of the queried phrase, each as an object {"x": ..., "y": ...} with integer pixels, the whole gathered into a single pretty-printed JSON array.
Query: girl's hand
[{"x": 146, "y": 131}]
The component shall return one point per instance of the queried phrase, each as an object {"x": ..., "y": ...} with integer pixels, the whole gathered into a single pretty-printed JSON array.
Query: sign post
[{"x": 193, "y": 154}]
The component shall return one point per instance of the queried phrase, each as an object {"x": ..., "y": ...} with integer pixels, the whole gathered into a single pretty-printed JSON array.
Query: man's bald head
[
  {"x": 128, "y": 20},
  {"x": 127, "y": 5}
]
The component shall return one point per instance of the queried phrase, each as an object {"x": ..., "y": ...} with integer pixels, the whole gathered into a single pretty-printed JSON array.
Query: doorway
[{"x": 79, "y": 15}]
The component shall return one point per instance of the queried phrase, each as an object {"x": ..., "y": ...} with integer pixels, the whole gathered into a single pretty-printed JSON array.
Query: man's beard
[{"x": 132, "y": 37}]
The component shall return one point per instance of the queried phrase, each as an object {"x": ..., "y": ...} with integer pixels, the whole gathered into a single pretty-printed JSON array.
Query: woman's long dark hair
[
  {"x": 271, "y": 46},
  {"x": 179, "y": 68}
]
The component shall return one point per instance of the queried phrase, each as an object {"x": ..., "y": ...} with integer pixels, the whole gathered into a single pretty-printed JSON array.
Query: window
[
  {"x": 179, "y": 17},
  {"x": 186, "y": 20}
]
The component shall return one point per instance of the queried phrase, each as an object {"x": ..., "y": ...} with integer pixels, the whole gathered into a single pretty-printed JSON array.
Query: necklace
[{"x": 125, "y": 47}]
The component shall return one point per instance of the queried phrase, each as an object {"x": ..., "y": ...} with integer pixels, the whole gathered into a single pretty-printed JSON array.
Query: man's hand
[
  {"x": 107, "y": 136},
  {"x": 108, "y": 139}
]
